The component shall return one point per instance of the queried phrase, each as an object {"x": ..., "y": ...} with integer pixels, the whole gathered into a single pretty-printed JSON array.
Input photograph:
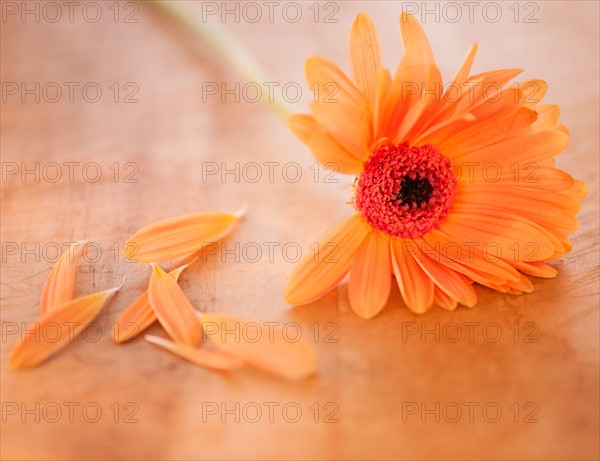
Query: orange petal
[
  {"x": 262, "y": 346},
  {"x": 339, "y": 107},
  {"x": 533, "y": 91},
  {"x": 444, "y": 301},
  {"x": 407, "y": 102},
  {"x": 548, "y": 115},
  {"x": 437, "y": 133},
  {"x": 481, "y": 134},
  {"x": 175, "y": 237},
  {"x": 323, "y": 147},
  {"x": 476, "y": 90},
  {"x": 139, "y": 315},
  {"x": 60, "y": 284},
  {"x": 450, "y": 282},
  {"x": 472, "y": 271},
  {"x": 501, "y": 236},
  {"x": 322, "y": 270},
  {"x": 468, "y": 253},
  {"x": 536, "y": 269},
  {"x": 172, "y": 308},
  {"x": 534, "y": 147},
  {"x": 454, "y": 91},
  {"x": 465, "y": 69},
  {"x": 371, "y": 276},
  {"x": 380, "y": 122},
  {"x": 528, "y": 175},
  {"x": 553, "y": 218},
  {"x": 523, "y": 285},
  {"x": 365, "y": 55},
  {"x": 57, "y": 329},
  {"x": 203, "y": 357},
  {"x": 413, "y": 35},
  {"x": 578, "y": 191},
  {"x": 416, "y": 287}
]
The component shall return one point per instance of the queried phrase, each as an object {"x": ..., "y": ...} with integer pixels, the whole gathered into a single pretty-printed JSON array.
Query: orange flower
[{"x": 455, "y": 183}]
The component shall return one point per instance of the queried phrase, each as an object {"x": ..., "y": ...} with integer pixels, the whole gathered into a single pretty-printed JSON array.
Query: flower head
[{"x": 455, "y": 184}]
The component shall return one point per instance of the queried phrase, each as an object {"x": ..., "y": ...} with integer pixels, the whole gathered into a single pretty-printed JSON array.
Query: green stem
[{"x": 227, "y": 45}]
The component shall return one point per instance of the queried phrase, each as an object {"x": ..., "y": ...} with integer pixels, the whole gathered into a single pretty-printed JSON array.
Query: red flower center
[{"x": 406, "y": 191}]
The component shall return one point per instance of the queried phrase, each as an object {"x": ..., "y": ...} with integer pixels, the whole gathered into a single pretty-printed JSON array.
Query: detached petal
[
  {"x": 175, "y": 237},
  {"x": 202, "y": 357},
  {"x": 172, "y": 308},
  {"x": 262, "y": 346},
  {"x": 57, "y": 329},
  {"x": 139, "y": 315},
  {"x": 60, "y": 285},
  {"x": 322, "y": 270}
]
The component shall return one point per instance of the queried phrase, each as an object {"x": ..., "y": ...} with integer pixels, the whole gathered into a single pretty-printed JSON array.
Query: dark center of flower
[
  {"x": 414, "y": 192},
  {"x": 406, "y": 191}
]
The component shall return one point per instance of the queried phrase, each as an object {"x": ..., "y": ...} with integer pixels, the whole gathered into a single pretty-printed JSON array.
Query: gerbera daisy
[{"x": 455, "y": 183}]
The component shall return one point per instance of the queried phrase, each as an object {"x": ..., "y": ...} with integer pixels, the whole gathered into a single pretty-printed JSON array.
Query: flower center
[{"x": 406, "y": 191}]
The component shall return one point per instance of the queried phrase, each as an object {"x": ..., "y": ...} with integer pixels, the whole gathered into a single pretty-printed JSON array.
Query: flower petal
[
  {"x": 450, "y": 282},
  {"x": 371, "y": 276},
  {"x": 365, "y": 55},
  {"x": 480, "y": 134},
  {"x": 172, "y": 308},
  {"x": 578, "y": 191},
  {"x": 454, "y": 89},
  {"x": 444, "y": 301},
  {"x": 465, "y": 69},
  {"x": 139, "y": 315},
  {"x": 323, "y": 147},
  {"x": 500, "y": 236},
  {"x": 476, "y": 90},
  {"x": 339, "y": 107},
  {"x": 416, "y": 287},
  {"x": 175, "y": 237},
  {"x": 57, "y": 329},
  {"x": 554, "y": 218},
  {"x": 203, "y": 357},
  {"x": 262, "y": 346},
  {"x": 60, "y": 284},
  {"x": 407, "y": 101},
  {"x": 534, "y": 147},
  {"x": 454, "y": 253},
  {"x": 548, "y": 115},
  {"x": 317, "y": 274},
  {"x": 535, "y": 269}
]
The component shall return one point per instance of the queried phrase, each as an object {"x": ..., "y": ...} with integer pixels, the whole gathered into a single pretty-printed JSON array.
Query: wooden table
[{"x": 521, "y": 381}]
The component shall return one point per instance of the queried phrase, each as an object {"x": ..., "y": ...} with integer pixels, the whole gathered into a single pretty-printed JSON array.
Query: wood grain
[{"x": 382, "y": 384}]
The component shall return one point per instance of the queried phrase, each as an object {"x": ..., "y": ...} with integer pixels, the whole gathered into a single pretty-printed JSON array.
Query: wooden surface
[{"x": 394, "y": 392}]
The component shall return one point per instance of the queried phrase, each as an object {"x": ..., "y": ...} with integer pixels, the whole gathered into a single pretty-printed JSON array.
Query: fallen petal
[
  {"x": 60, "y": 284},
  {"x": 175, "y": 237},
  {"x": 204, "y": 358},
  {"x": 261, "y": 346},
  {"x": 57, "y": 329},
  {"x": 172, "y": 308},
  {"x": 139, "y": 315}
]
